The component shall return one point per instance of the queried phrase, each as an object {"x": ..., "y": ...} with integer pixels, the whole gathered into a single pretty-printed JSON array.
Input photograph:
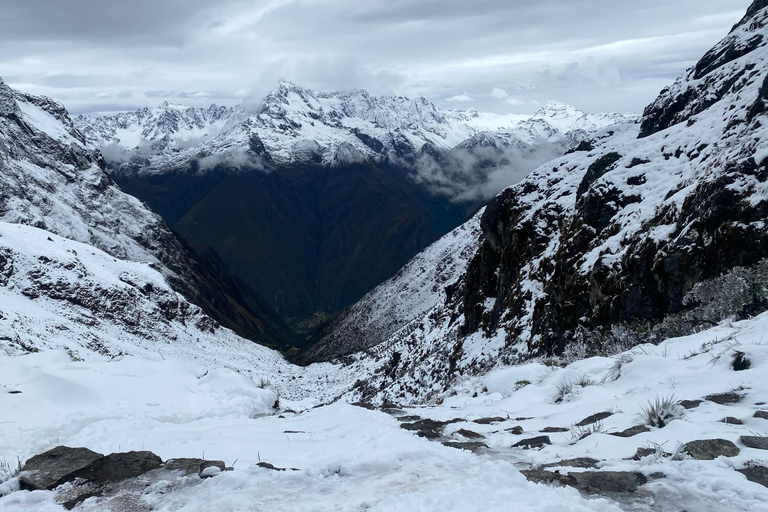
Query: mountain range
[
  {"x": 333, "y": 192},
  {"x": 591, "y": 339}
]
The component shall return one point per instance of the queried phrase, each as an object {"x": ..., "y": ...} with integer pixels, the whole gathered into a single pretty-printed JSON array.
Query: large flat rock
[{"x": 57, "y": 466}]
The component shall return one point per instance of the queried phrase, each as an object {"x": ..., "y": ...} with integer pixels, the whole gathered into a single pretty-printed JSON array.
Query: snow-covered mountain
[
  {"x": 330, "y": 156},
  {"x": 166, "y": 128},
  {"x": 296, "y": 125},
  {"x": 644, "y": 232},
  {"x": 53, "y": 179}
]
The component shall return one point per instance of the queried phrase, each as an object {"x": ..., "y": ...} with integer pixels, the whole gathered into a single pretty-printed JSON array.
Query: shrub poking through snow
[
  {"x": 740, "y": 361},
  {"x": 658, "y": 413}
]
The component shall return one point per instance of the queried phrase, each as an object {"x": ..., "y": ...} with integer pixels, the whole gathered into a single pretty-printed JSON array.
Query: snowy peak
[
  {"x": 295, "y": 124},
  {"x": 168, "y": 127}
]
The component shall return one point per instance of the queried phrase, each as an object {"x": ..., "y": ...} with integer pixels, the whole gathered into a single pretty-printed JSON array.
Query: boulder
[
  {"x": 594, "y": 418},
  {"x": 608, "y": 481},
  {"x": 757, "y": 474},
  {"x": 516, "y": 430},
  {"x": 631, "y": 431},
  {"x": 488, "y": 421},
  {"x": 120, "y": 466},
  {"x": 761, "y": 414},
  {"x": 469, "y": 434},
  {"x": 732, "y": 421},
  {"x": 55, "y": 467},
  {"x": 710, "y": 449},
  {"x": 472, "y": 446},
  {"x": 726, "y": 398},
  {"x": 533, "y": 442},
  {"x": 581, "y": 462},
  {"x": 554, "y": 430},
  {"x": 757, "y": 442},
  {"x": 691, "y": 404}
]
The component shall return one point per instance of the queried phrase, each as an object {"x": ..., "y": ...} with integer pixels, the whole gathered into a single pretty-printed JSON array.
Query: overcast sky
[{"x": 495, "y": 55}]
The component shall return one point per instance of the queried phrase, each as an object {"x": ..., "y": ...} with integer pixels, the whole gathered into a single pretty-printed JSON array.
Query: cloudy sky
[{"x": 495, "y": 55}]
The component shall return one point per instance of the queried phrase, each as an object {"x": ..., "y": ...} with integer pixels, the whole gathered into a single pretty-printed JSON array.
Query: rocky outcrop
[
  {"x": 53, "y": 179},
  {"x": 615, "y": 240}
]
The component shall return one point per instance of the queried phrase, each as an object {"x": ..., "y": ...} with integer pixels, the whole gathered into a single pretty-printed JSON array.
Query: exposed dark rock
[
  {"x": 472, "y": 446},
  {"x": 120, "y": 466},
  {"x": 645, "y": 452},
  {"x": 690, "y": 404},
  {"x": 469, "y": 434},
  {"x": 553, "y": 430},
  {"x": 547, "y": 477},
  {"x": 608, "y": 481},
  {"x": 761, "y": 414},
  {"x": 55, "y": 467},
  {"x": 726, "y": 398},
  {"x": 516, "y": 430},
  {"x": 488, "y": 421},
  {"x": 757, "y": 474},
  {"x": 598, "y": 169},
  {"x": 428, "y": 428},
  {"x": 757, "y": 442},
  {"x": 581, "y": 462},
  {"x": 631, "y": 431},
  {"x": 732, "y": 421},
  {"x": 533, "y": 442},
  {"x": 267, "y": 465},
  {"x": 409, "y": 418},
  {"x": 710, "y": 449},
  {"x": 192, "y": 466},
  {"x": 594, "y": 418}
]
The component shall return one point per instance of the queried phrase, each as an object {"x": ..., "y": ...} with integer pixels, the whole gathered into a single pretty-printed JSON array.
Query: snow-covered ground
[{"x": 352, "y": 458}]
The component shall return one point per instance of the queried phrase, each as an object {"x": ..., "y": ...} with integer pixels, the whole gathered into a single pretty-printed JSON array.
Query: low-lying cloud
[{"x": 479, "y": 173}]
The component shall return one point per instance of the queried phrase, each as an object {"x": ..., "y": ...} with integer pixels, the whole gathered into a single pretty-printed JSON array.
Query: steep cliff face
[
  {"x": 53, "y": 179},
  {"x": 618, "y": 235}
]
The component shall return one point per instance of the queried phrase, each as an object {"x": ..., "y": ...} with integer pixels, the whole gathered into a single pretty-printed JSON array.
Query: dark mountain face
[
  {"x": 52, "y": 179},
  {"x": 612, "y": 244},
  {"x": 310, "y": 239}
]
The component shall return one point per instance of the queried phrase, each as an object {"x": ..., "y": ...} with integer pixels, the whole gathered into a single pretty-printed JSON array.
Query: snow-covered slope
[
  {"x": 642, "y": 233},
  {"x": 166, "y": 128},
  {"x": 297, "y": 125},
  {"x": 392, "y": 307},
  {"x": 58, "y": 294},
  {"x": 53, "y": 179}
]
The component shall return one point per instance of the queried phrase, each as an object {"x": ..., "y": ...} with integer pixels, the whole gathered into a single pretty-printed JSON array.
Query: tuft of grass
[
  {"x": 658, "y": 413},
  {"x": 564, "y": 390},
  {"x": 521, "y": 384},
  {"x": 8, "y": 470},
  {"x": 615, "y": 371},
  {"x": 579, "y": 433}
]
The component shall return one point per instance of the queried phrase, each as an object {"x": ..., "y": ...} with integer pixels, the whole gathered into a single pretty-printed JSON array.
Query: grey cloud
[{"x": 88, "y": 53}]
